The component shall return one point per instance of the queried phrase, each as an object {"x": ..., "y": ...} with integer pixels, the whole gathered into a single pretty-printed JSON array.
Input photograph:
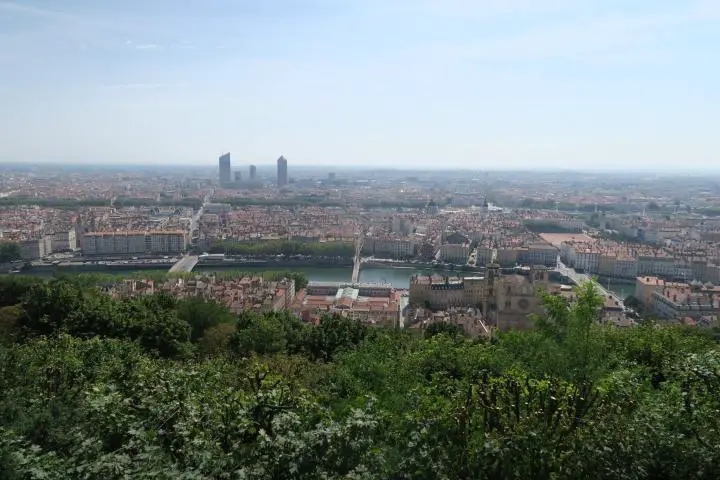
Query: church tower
[{"x": 492, "y": 285}]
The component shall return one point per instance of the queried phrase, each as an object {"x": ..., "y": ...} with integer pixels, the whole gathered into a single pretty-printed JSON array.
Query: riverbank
[
  {"x": 318, "y": 262},
  {"x": 160, "y": 264},
  {"x": 397, "y": 274},
  {"x": 420, "y": 265}
]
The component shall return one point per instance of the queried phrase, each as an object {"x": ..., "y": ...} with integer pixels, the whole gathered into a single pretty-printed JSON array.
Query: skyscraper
[
  {"x": 238, "y": 177},
  {"x": 224, "y": 163},
  {"x": 282, "y": 177},
  {"x": 253, "y": 172}
]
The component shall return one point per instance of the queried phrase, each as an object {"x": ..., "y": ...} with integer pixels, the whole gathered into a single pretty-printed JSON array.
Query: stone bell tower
[{"x": 492, "y": 287}]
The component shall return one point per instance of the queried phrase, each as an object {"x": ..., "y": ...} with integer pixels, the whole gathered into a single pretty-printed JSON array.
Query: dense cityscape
[
  {"x": 292, "y": 322},
  {"x": 359, "y": 240},
  {"x": 464, "y": 248}
]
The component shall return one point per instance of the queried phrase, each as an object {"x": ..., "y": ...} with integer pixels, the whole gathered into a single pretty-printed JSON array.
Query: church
[{"x": 506, "y": 301}]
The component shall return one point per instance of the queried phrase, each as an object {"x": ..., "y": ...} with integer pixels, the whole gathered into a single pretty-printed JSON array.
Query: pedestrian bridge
[{"x": 580, "y": 278}]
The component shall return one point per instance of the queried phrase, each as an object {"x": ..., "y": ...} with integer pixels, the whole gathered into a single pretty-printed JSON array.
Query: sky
[{"x": 480, "y": 84}]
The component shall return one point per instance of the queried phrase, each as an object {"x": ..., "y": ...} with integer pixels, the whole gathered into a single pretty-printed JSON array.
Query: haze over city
[
  {"x": 427, "y": 84},
  {"x": 359, "y": 239}
]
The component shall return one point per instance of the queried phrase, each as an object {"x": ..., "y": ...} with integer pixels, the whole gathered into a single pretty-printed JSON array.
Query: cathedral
[{"x": 506, "y": 301}]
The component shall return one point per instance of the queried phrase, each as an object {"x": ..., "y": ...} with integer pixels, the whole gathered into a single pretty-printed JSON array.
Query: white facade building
[{"x": 129, "y": 243}]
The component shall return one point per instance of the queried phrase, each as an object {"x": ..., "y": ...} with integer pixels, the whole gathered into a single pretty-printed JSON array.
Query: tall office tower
[
  {"x": 224, "y": 163},
  {"x": 238, "y": 177},
  {"x": 253, "y": 172},
  {"x": 282, "y": 178}
]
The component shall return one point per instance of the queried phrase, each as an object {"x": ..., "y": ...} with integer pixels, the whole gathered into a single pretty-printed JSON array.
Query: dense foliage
[
  {"x": 86, "y": 393},
  {"x": 285, "y": 247},
  {"x": 9, "y": 251}
]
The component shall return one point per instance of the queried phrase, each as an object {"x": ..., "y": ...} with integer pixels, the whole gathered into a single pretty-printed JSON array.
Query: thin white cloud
[
  {"x": 148, "y": 46},
  {"x": 471, "y": 9},
  {"x": 581, "y": 36},
  {"x": 136, "y": 86},
  {"x": 22, "y": 9}
]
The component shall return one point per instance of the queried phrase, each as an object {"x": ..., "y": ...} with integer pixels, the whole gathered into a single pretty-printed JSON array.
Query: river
[
  {"x": 398, "y": 277},
  {"x": 622, "y": 290}
]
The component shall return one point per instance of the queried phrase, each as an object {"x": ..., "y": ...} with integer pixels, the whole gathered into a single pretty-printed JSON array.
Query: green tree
[
  {"x": 443, "y": 328},
  {"x": 14, "y": 287},
  {"x": 257, "y": 333},
  {"x": 334, "y": 334},
  {"x": 47, "y": 307},
  {"x": 156, "y": 330},
  {"x": 202, "y": 314},
  {"x": 269, "y": 333},
  {"x": 571, "y": 399},
  {"x": 9, "y": 251},
  {"x": 216, "y": 339},
  {"x": 9, "y": 321}
]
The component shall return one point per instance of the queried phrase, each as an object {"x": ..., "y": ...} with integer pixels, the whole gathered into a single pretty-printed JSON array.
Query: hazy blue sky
[{"x": 416, "y": 83}]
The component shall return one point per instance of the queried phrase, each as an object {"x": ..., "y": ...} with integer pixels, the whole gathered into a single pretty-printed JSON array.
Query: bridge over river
[
  {"x": 356, "y": 263},
  {"x": 185, "y": 264},
  {"x": 580, "y": 278}
]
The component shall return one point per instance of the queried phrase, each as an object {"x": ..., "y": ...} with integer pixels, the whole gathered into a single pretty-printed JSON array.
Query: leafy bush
[{"x": 94, "y": 387}]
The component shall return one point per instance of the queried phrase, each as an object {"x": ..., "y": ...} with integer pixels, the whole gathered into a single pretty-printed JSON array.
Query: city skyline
[
  {"x": 271, "y": 168},
  {"x": 478, "y": 85}
]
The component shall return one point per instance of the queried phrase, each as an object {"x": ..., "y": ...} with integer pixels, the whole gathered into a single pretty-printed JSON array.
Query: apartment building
[
  {"x": 114, "y": 243},
  {"x": 507, "y": 257},
  {"x": 685, "y": 301},
  {"x": 712, "y": 274},
  {"x": 538, "y": 254},
  {"x": 656, "y": 265},
  {"x": 133, "y": 242},
  {"x": 612, "y": 259},
  {"x": 393, "y": 248},
  {"x": 677, "y": 301},
  {"x": 454, "y": 253},
  {"x": 645, "y": 286},
  {"x": 484, "y": 256},
  {"x": 625, "y": 267},
  {"x": 587, "y": 260},
  {"x": 167, "y": 242},
  {"x": 606, "y": 265},
  {"x": 64, "y": 241},
  {"x": 34, "y": 249}
]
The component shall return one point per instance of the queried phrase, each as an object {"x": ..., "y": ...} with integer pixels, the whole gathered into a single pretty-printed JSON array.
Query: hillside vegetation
[{"x": 93, "y": 387}]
